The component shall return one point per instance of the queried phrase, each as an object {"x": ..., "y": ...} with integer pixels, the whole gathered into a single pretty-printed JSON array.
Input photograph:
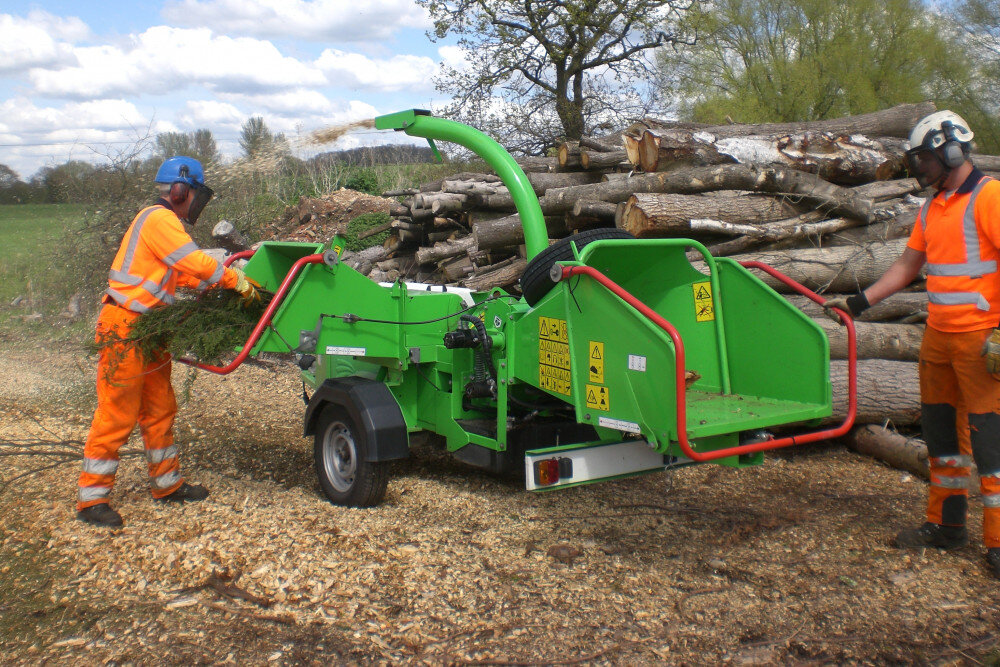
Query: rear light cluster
[{"x": 550, "y": 471}]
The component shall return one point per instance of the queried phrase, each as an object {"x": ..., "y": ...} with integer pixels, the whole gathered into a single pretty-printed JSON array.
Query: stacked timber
[{"x": 825, "y": 202}]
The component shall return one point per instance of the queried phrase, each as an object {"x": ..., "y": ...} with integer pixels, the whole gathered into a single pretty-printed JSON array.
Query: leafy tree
[
  {"x": 169, "y": 144},
  {"x": 67, "y": 182},
  {"x": 8, "y": 177},
  {"x": 978, "y": 21},
  {"x": 539, "y": 69},
  {"x": 204, "y": 147},
  {"x": 787, "y": 60},
  {"x": 257, "y": 140}
]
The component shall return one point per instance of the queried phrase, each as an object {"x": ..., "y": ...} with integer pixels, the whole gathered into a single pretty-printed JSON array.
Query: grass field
[{"x": 29, "y": 233}]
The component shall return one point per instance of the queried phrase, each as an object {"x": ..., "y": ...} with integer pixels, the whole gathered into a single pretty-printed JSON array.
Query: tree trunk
[
  {"x": 841, "y": 269},
  {"x": 446, "y": 249},
  {"x": 834, "y": 200},
  {"x": 540, "y": 183},
  {"x": 538, "y": 164},
  {"x": 898, "y": 306},
  {"x": 887, "y": 390},
  {"x": 896, "y": 121},
  {"x": 875, "y": 340},
  {"x": 569, "y": 155},
  {"x": 498, "y": 275},
  {"x": 649, "y": 215},
  {"x": 838, "y": 158},
  {"x": 898, "y": 451},
  {"x": 597, "y": 160},
  {"x": 508, "y": 231}
]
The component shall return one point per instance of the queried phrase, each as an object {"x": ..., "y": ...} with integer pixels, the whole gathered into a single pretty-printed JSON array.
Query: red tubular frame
[
  {"x": 265, "y": 319},
  {"x": 681, "y": 388}
]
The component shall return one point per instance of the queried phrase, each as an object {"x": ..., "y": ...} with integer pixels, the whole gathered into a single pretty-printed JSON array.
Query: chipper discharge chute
[{"x": 622, "y": 357}]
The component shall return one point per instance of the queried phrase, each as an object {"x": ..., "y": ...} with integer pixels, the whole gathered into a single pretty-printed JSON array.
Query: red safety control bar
[
  {"x": 681, "y": 391},
  {"x": 265, "y": 319}
]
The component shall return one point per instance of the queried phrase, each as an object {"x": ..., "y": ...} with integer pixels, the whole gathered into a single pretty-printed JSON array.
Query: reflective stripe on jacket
[
  {"x": 961, "y": 237},
  {"x": 157, "y": 255}
]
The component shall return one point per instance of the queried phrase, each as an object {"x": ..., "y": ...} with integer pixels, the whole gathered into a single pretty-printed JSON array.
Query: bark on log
[
  {"x": 800, "y": 226},
  {"x": 602, "y": 210},
  {"x": 501, "y": 274},
  {"x": 446, "y": 250},
  {"x": 602, "y": 144},
  {"x": 875, "y": 340},
  {"x": 456, "y": 268},
  {"x": 228, "y": 237},
  {"x": 882, "y": 190},
  {"x": 538, "y": 164},
  {"x": 838, "y": 158},
  {"x": 986, "y": 162},
  {"x": 508, "y": 231},
  {"x": 896, "y": 227},
  {"x": 840, "y": 269},
  {"x": 541, "y": 183},
  {"x": 569, "y": 155},
  {"x": 895, "y": 449},
  {"x": 895, "y": 121},
  {"x": 650, "y": 215},
  {"x": 898, "y": 306},
  {"x": 833, "y": 199},
  {"x": 887, "y": 390},
  {"x": 597, "y": 160}
]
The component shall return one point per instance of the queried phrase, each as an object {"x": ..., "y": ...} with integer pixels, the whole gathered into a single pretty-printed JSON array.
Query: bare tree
[{"x": 540, "y": 69}]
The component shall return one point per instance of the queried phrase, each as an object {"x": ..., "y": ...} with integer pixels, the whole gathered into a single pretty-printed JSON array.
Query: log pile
[{"x": 825, "y": 202}]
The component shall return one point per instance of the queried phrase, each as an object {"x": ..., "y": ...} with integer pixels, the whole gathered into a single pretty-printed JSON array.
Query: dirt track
[{"x": 784, "y": 563}]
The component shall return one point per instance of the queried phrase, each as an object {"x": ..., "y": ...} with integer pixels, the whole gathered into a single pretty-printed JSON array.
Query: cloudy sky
[{"x": 79, "y": 80}]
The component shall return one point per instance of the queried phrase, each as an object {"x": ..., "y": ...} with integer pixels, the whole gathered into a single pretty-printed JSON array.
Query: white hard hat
[{"x": 938, "y": 128}]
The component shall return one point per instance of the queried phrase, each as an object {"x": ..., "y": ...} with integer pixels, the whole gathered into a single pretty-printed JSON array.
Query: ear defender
[
  {"x": 178, "y": 193},
  {"x": 954, "y": 156}
]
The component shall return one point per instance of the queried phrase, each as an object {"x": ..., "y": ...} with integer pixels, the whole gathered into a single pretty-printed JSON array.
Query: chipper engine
[{"x": 622, "y": 356}]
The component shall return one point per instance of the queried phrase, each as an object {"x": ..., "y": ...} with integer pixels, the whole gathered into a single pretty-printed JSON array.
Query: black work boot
[
  {"x": 185, "y": 492},
  {"x": 993, "y": 558},
  {"x": 100, "y": 515},
  {"x": 933, "y": 535}
]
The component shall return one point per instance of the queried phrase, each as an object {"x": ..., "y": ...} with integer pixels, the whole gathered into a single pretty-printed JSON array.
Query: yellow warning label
[
  {"x": 596, "y": 362},
  {"x": 550, "y": 328},
  {"x": 339, "y": 249},
  {"x": 704, "y": 307},
  {"x": 553, "y": 355},
  {"x": 598, "y": 397}
]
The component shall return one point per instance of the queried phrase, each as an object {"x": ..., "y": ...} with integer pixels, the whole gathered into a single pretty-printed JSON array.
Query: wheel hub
[{"x": 340, "y": 458}]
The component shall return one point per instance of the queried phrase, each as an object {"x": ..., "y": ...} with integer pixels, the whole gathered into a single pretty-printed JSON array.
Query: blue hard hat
[{"x": 181, "y": 169}]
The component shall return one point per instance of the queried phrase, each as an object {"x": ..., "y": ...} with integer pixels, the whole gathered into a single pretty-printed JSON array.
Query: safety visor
[
  {"x": 202, "y": 195},
  {"x": 923, "y": 164}
]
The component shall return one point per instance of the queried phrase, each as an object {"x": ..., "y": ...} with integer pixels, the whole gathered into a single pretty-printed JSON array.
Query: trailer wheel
[
  {"x": 536, "y": 283},
  {"x": 340, "y": 451}
]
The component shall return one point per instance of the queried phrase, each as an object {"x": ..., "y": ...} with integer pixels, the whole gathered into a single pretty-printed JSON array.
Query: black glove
[{"x": 854, "y": 305}]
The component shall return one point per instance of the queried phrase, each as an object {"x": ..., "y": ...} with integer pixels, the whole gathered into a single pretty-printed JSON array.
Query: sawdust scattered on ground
[{"x": 787, "y": 562}]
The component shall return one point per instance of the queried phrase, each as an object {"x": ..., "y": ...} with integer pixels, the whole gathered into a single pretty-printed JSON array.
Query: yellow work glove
[
  {"x": 839, "y": 302},
  {"x": 991, "y": 351},
  {"x": 246, "y": 287}
]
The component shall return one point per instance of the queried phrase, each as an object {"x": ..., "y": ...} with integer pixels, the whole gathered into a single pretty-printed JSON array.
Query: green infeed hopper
[{"x": 621, "y": 357}]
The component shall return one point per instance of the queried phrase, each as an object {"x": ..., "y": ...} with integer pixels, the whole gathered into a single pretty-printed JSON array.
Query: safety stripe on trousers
[
  {"x": 956, "y": 461},
  {"x": 156, "y": 456},
  {"x": 961, "y": 482},
  {"x": 89, "y": 493},
  {"x": 100, "y": 466},
  {"x": 166, "y": 480},
  {"x": 991, "y": 500}
]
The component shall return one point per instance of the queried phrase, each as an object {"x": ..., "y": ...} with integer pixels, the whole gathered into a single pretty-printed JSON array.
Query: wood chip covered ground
[{"x": 785, "y": 563}]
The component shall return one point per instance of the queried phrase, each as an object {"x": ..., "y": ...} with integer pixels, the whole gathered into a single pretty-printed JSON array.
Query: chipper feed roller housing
[{"x": 621, "y": 357}]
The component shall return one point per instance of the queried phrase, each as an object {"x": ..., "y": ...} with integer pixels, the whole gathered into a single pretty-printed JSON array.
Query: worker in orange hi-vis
[
  {"x": 156, "y": 255},
  {"x": 957, "y": 236}
]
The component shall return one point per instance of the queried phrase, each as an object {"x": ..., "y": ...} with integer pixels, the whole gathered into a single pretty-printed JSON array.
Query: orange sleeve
[
  {"x": 917, "y": 240},
  {"x": 988, "y": 212},
  {"x": 166, "y": 238}
]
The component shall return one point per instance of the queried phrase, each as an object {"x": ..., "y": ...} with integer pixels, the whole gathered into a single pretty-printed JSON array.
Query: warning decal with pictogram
[
  {"x": 704, "y": 306},
  {"x": 595, "y": 362}
]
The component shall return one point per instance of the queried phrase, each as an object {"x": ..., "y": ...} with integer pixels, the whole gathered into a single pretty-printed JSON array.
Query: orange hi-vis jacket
[
  {"x": 156, "y": 256},
  {"x": 961, "y": 238}
]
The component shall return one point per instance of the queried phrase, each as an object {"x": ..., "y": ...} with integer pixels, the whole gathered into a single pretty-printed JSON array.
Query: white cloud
[
  {"x": 23, "y": 116},
  {"x": 302, "y": 102},
  {"x": 199, "y": 114},
  {"x": 454, "y": 57},
  {"x": 354, "y": 70},
  {"x": 193, "y": 57},
  {"x": 318, "y": 20},
  {"x": 40, "y": 40}
]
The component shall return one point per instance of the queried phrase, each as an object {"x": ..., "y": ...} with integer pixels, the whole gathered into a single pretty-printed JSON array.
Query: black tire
[
  {"x": 340, "y": 451},
  {"x": 536, "y": 282}
]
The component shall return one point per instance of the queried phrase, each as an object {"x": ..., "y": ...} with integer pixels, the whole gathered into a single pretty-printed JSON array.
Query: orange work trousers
[
  {"x": 130, "y": 390},
  {"x": 961, "y": 424}
]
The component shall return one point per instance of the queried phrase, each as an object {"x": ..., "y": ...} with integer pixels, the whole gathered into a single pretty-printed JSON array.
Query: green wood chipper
[{"x": 621, "y": 357}]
